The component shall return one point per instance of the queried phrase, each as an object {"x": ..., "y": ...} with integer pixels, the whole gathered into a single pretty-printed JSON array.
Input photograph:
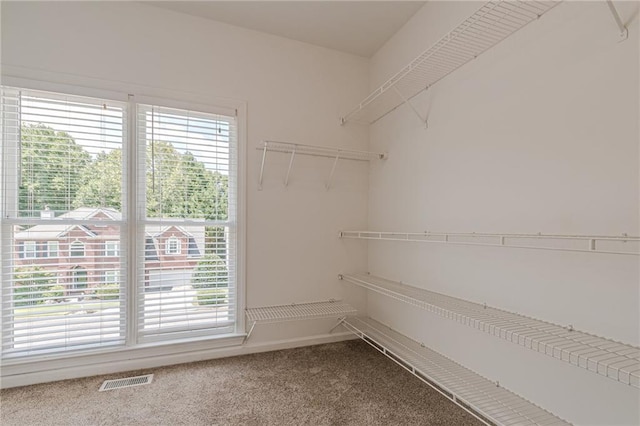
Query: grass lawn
[{"x": 63, "y": 308}]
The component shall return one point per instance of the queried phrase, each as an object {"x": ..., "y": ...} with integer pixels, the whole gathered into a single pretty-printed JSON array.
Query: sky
[{"x": 99, "y": 127}]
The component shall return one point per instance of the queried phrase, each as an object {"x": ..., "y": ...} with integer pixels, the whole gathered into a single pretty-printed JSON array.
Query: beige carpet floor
[{"x": 346, "y": 383}]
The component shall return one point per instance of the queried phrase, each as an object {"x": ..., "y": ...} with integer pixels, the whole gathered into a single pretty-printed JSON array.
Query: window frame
[
  {"x": 57, "y": 250},
  {"x": 61, "y": 84},
  {"x": 114, "y": 251},
  {"x": 34, "y": 252},
  {"x": 110, "y": 276},
  {"x": 168, "y": 246},
  {"x": 77, "y": 243}
]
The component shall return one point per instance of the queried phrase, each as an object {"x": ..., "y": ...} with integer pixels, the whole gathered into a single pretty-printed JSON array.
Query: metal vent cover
[{"x": 127, "y": 382}]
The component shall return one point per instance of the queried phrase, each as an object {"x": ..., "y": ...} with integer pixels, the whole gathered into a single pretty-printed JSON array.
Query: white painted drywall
[
  {"x": 539, "y": 134},
  {"x": 294, "y": 92}
]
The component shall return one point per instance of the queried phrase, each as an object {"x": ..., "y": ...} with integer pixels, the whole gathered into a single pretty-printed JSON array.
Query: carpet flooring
[{"x": 345, "y": 383}]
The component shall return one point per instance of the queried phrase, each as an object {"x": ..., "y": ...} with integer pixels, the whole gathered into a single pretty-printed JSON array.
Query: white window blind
[
  {"x": 187, "y": 204},
  {"x": 76, "y": 260},
  {"x": 56, "y": 213}
]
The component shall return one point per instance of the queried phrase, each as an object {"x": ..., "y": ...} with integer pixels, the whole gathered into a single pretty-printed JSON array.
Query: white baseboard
[{"x": 122, "y": 361}]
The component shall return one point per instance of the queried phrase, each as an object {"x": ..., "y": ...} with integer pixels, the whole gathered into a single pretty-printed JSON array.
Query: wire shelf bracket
[
  {"x": 489, "y": 25},
  {"x": 606, "y": 357},
  {"x": 484, "y": 399},
  {"x": 623, "y": 31},
  {"x": 413, "y": 108},
  {"x": 607, "y": 244},
  {"x": 298, "y": 312},
  {"x": 317, "y": 151}
]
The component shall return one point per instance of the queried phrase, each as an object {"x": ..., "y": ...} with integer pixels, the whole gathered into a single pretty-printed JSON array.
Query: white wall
[
  {"x": 294, "y": 92},
  {"x": 539, "y": 134}
]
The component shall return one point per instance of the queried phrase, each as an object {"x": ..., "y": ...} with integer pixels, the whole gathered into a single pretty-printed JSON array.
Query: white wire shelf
[
  {"x": 317, "y": 151},
  {"x": 608, "y": 244},
  {"x": 489, "y": 25},
  {"x": 484, "y": 399},
  {"x": 615, "y": 360},
  {"x": 298, "y": 312}
]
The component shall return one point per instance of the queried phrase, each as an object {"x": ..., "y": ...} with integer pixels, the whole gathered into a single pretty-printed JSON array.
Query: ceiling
[{"x": 356, "y": 27}]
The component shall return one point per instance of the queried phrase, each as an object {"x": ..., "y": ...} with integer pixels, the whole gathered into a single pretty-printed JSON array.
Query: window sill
[{"x": 25, "y": 371}]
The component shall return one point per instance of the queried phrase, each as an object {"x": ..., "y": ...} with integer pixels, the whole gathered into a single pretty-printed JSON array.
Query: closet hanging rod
[
  {"x": 320, "y": 151},
  {"x": 316, "y": 151},
  {"x": 593, "y": 242}
]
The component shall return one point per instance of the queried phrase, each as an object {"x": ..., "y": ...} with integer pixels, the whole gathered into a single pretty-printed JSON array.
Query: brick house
[{"x": 86, "y": 256}]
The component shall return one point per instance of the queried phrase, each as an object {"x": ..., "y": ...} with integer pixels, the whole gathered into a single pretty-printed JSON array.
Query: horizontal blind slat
[
  {"x": 63, "y": 289},
  {"x": 183, "y": 294}
]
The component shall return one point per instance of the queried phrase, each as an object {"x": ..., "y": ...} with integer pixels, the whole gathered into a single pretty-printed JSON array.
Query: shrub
[
  {"x": 210, "y": 272},
  {"x": 212, "y": 296},
  {"x": 32, "y": 285},
  {"x": 109, "y": 291},
  {"x": 54, "y": 293}
]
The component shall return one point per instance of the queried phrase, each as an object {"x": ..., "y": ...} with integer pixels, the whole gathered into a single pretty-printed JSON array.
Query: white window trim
[
  {"x": 111, "y": 276},
  {"x": 32, "y": 79},
  {"x": 33, "y": 253},
  {"x": 114, "y": 251},
  {"x": 168, "y": 249},
  {"x": 49, "y": 251},
  {"x": 77, "y": 243}
]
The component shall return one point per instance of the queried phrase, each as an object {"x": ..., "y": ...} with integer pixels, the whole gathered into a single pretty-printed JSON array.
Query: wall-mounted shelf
[
  {"x": 617, "y": 361},
  {"x": 486, "y": 400},
  {"x": 492, "y": 23},
  {"x": 297, "y": 312},
  {"x": 609, "y": 244},
  {"x": 317, "y": 151}
]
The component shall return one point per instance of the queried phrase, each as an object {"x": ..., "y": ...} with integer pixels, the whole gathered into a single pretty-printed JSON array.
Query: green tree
[
  {"x": 102, "y": 182},
  {"x": 177, "y": 185},
  {"x": 33, "y": 284},
  {"x": 51, "y": 166}
]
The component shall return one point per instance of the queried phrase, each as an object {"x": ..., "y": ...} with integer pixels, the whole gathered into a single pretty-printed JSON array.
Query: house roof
[{"x": 52, "y": 231}]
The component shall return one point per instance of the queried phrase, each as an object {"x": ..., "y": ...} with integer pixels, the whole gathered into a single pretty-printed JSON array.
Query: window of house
[
  {"x": 172, "y": 246},
  {"x": 112, "y": 248},
  {"x": 76, "y": 249},
  {"x": 110, "y": 277},
  {"x": 68, "y": 155},
  {"x": 53, "y": 247},
  {"x": 80, "y": 279},
  {"x": 29, "y": 249}
]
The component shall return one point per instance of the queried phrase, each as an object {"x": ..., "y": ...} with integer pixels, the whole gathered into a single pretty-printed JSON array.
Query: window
[
  {"x": 55, "y": 151},
  {"x": 79, "y": 279},
  {"x": 172, "y": 246},
  {"x": 66, "y": 156},
  {"x": 190, "y": 190},
  {"x": 29, "y": 249},
  {"x": 110, "y": 277},
  {"x": 76, "y": 249},
  {"x": 112, "y": 248},
  {"x": 52, "y": 248}
]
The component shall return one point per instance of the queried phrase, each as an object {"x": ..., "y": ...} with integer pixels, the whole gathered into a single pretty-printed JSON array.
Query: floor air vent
[{"x": 127, "y": 382}]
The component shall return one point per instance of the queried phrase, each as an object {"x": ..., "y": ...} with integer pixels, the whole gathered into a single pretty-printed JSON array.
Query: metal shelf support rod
[
  {"x": 333, "y": 169},
  {"x": 624, "y": 32},
  {"x": 413, "y": 108},
  {"x": 264, "y": 156},
  {"x": 286, "y": 179},
  {"x": 249, "y": 333}
]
